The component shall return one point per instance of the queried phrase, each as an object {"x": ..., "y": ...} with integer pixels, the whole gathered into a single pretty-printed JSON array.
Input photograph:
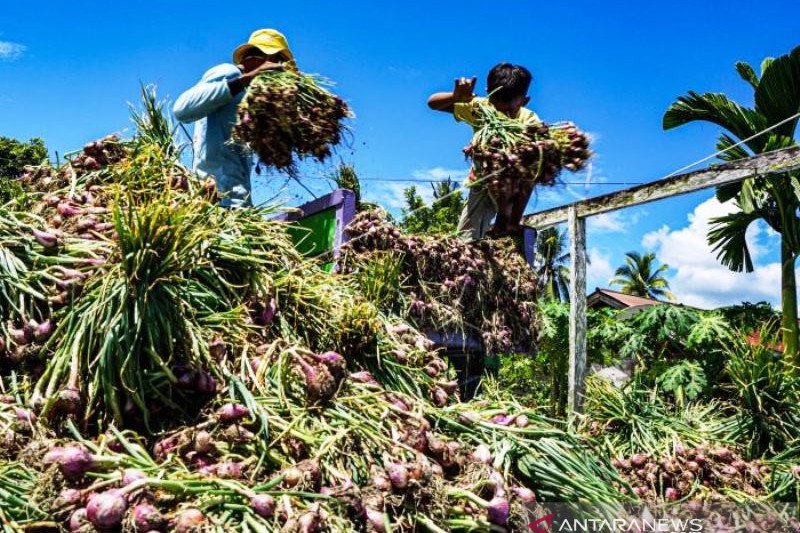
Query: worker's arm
[
  {"x": 462, "y": 92},
  {"x": 211, "y": 92},
  {"x": 217, "y": 87}
]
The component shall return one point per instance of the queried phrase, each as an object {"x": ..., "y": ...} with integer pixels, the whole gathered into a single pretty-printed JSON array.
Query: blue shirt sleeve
[{"x": 210, "y": 93}]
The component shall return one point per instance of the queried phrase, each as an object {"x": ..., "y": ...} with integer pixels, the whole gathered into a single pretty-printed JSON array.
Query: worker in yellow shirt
[{"x": 507, "y": 86}]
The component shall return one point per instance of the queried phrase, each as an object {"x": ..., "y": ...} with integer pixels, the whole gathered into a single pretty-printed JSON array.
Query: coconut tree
[
  {"x": 772, "y": 199},
  {"x": 552, "y": 264},
  {"x": 640, "y": 276}
]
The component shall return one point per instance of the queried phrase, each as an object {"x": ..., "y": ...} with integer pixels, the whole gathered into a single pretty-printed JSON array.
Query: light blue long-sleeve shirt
[{"x": 212, "y": 107}]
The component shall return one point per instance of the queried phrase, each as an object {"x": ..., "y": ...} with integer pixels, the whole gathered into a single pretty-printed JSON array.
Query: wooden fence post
[{"x": 577, "y": 310}]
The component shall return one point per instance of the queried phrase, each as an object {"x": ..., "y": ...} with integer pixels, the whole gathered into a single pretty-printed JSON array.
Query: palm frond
[
  {"x": 777, "y": 97},
  {"x": 741, "y": 121},
  {"x": 728, "y": 238},
  {"x": 747, "y": 73}
]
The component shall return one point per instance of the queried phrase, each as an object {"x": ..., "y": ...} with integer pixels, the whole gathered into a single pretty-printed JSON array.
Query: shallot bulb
[
  {"x": 263, "y": 505},
  {"x": 398, "y": 475},
  {"x": 68, "y": 498},
  {"x": 203, "y": 442},
  {"x": 46, "y": 238},
  {"x": 377, "y": 520},
  {"x": 147, "y": 518},
  {"x": 73, "y": 461},
  {"x": 525, "y": 495},
  {"x": 482, "y": 454},
  {"x": 78, "y": 519},
  {"x": 68, "y": 401},
  {"x": 132, "y": 475},
  {"x": 106, "y": 510},
  {"x": 498, "y": 511},
  {"x": 189, "y": 520},
  {"x": 232, "y": 412},
  {"x": 363, "y": 377},
  {"x": 43, "y": 331}
]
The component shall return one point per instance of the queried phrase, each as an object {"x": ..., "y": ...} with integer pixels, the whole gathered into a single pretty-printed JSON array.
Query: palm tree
[
  {"x": 773, "y": 199},
  {"x": 639, "y": 277},
  {"x": 552, "y": 264}
]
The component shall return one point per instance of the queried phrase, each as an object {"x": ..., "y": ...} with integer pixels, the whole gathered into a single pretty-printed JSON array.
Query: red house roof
[{"x": 617, "y": 300}]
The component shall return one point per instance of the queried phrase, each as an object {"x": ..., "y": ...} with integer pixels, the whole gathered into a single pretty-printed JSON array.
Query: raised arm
[
  {"x": 211, "y": 92},
  {"x": 463, "y": 91},
  {"x": 217, "y": 87}
]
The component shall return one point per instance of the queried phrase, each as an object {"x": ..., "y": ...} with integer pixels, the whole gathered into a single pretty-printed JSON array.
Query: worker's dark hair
[{"x": 506, "y": 81}]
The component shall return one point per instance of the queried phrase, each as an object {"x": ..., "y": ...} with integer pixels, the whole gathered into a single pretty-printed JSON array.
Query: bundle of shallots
[
  {"x": 511, "y": 156},
  {"x": 287, "y": 116}
]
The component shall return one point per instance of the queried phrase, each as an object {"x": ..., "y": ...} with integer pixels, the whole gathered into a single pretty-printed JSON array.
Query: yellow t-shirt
[{"x": 465, "y": 112}]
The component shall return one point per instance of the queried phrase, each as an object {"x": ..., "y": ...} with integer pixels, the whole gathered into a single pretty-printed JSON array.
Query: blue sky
[{"x": 67, "y": 71}]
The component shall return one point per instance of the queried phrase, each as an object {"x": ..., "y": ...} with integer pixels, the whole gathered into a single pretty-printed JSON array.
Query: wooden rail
[{"x": 575, "y": 214}]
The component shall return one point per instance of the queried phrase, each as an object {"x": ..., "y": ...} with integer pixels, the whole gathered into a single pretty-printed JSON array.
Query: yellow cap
[{"x": 268, "y": 41}]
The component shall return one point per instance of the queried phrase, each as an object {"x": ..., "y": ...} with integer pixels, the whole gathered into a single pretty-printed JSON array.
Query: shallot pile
[
  {"x": 170, "y": 365},
  {"x": 485, "y": 288}
]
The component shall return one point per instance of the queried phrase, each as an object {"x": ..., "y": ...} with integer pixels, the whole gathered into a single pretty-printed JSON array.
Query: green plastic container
[{"x": 318, "y": 226}]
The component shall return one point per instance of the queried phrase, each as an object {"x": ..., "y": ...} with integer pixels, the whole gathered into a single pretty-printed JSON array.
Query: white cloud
[
  {"x": 696, "y": 276},
  {"x": 599, "y": 269},
  {"x": 615, "y": 221},
  {"x": 440, "y": 174},
  {"x": 392, "y": 196},
  {"x": 611, "y": 222},
  {"x": 10, "y": 51}
]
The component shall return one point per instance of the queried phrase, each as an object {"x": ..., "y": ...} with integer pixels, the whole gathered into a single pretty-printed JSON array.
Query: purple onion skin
[
  {"x": 73, "y": 462},
  {"x": 132, "y": 475},
  {"x": 229, "y": 470},
  {"x": 68, "y": 498},
  {"x": 106, "y": 510},
  {"x": 498, "y": 510},
  {"x": 525, "y": 495},
  {"x": 232, "y": 412},
  {"x": 363, "y": 377},
  {"x": 309, "y": 522},
  {"x": 188, "y": 521},
  {"x": 376, "y": 520},
  {"x": 25, "y": 416},
  {"x": 265, "y": 317},
  {"x": 43, "y": 331},
  {"x": 398, "y": 475},
  {"x": 45, "y": 238},
  {"x": 482, "y": 454},
  {"x": 263, "y": 505},
  {"x": 164, "y": 447},
  {"x": 78, "y": 519},
  {"x": 330, "y": 357},
  {"x": 503, "y": 420},
  {"x": 205, "y": 383},
  {"x": 147, "y": 518},
  {"x": 19, "y": 336}
]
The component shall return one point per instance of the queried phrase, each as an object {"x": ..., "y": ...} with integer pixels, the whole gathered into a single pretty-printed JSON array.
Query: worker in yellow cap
[{"x": 212, "y": 104}]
